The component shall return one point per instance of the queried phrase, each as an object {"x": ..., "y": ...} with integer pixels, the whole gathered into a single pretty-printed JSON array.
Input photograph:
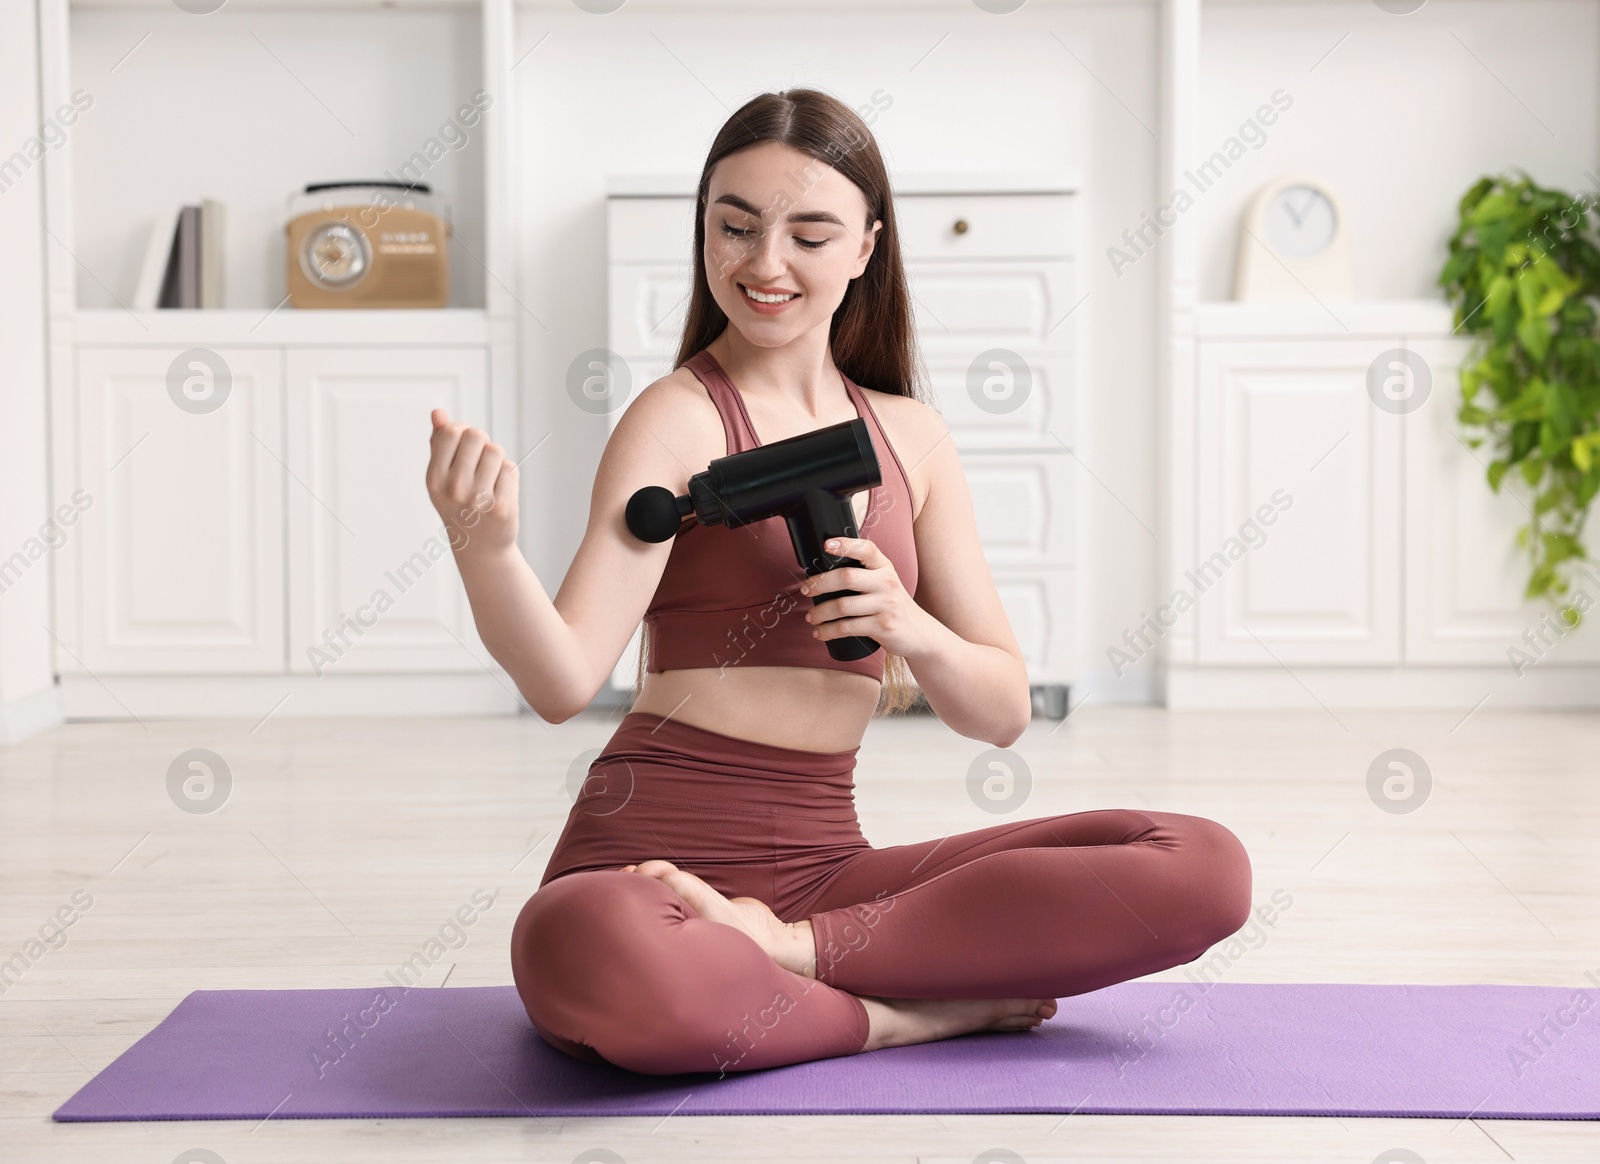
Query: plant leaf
[
  {"x": 1522, "y": 276},
  {"x": 1588, "y": 486},
  {"x": 1498, "y": 296},
  {"x": 1534, "y": 333}
]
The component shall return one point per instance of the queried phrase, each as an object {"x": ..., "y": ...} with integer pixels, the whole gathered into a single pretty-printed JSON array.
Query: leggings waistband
[
  {"x": 651, "y": 757},
  {"x": 646, "y": 732}
]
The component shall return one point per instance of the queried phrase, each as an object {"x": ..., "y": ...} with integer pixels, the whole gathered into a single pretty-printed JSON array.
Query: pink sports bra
[{"x": 731, "y": 597}]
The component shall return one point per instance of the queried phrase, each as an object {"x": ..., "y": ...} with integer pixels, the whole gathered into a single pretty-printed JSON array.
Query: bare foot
[
  {"x": 899, "y": 1022},
  {"x": 789, "y": 944},
  {"x": 892, "y": 1022}
]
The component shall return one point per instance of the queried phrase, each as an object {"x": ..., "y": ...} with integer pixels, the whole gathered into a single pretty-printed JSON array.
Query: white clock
[{"x": 1292, "y": 244}]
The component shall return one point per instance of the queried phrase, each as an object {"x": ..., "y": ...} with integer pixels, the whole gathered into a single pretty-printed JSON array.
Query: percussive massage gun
[{"x": 807, "y": 480}]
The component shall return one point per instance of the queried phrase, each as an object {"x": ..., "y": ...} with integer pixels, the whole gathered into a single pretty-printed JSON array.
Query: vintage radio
[{"x": 368, "y": 244}]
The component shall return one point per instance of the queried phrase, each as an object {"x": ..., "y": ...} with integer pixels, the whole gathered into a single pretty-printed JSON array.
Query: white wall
[
  {"x": 1401, "y": 119},
  {"x": 646, "y": 91},
  {"x": 354, "y": 98},
  {"x": 27, "y": 691}
]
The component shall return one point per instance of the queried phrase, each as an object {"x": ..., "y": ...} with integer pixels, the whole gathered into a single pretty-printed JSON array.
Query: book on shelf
[
  {"x": 152, "y": 274},
  {"x": 188, "y": 252},
  {"x": 169, "y": 281},
  {"x": 210, "y": 253},
  {"x": 183, "y": 261}
]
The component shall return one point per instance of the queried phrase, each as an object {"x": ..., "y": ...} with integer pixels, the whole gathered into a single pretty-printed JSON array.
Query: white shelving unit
[
  {"x": 282, "y": 544},
  {"x": 1393, "y": 579}
]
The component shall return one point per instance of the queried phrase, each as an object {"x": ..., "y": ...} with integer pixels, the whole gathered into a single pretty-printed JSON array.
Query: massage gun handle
[
  {"x": 823, "y": 515},
  {"x": 846, "y": 647}
]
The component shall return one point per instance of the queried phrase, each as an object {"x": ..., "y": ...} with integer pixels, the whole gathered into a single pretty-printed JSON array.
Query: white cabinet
[
  {"x": 1465, "y": 574},
  {"x": 1292, "y": 420},
  {"x": 285, "y": 530},
  {"x": 1392, "y": 553},
  {"x": 992, "y": 279},
  {"x": 373, "y": 582},
  {"x": 181, "y": 548}
]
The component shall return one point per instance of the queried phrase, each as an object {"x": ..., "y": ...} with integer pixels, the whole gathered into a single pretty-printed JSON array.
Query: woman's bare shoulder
[
  {"x": 912, "y": 410},
  {"x": 674, "y": 411},
  {"x": 678, "y": 392}
]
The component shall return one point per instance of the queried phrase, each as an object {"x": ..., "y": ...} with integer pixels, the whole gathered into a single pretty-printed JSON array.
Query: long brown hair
[{"x": 872, "y": 334}]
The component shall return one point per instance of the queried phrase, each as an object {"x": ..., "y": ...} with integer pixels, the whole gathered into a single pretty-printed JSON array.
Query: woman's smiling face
[{"x": 788, "y": 227}]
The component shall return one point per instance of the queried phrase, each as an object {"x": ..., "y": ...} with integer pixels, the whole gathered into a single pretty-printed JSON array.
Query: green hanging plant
[{"x": 1524, "y": 278}]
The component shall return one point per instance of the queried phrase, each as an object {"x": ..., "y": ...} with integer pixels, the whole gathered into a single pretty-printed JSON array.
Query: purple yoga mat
[{"x": 1493, "y": 1052}]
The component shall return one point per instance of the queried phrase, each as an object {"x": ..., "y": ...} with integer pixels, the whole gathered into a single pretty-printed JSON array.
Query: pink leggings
[{"x": 616, "y": 968}]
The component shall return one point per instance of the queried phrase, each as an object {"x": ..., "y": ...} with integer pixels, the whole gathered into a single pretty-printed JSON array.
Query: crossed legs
[
  {"x": 621, "y": 968},
  {"x": 617, "y": 967}
]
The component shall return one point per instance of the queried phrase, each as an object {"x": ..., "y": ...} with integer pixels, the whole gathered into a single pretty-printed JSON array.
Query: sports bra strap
[{"x": 741, "y": 434}]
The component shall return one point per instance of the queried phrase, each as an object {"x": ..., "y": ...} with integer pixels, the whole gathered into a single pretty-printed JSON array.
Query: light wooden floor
[{"x": 344, "y": 843}]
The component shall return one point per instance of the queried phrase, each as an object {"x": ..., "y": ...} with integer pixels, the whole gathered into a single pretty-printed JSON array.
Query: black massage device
[{"x": 807, "y": 480}]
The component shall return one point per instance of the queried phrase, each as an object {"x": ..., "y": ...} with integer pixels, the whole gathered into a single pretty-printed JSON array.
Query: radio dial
[{"x": 336, "y": 255}]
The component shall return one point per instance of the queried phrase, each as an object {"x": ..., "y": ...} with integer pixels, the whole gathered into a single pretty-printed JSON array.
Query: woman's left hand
[{"x": 882, "y": 610}]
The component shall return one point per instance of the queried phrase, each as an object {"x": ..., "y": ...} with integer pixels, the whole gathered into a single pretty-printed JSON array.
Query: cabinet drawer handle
[{"x": 960, "y": 226}]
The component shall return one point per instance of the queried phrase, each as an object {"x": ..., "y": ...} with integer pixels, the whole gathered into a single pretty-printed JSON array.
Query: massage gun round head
[{"x": 654, "y": 514}]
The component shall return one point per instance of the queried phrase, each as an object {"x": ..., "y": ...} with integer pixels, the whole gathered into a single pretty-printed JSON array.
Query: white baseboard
[
  {"x": 28, "y": 715},
  {"x": 257, "y": 696},
  {"x": 1304, "y": 686},
  {"x": 1188, "y": 688}
]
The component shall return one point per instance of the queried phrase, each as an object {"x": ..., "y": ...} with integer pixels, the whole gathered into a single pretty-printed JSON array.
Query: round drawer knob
[{"x": 960, "y": 226}]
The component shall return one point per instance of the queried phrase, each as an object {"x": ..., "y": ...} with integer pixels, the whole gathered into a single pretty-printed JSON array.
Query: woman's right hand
[{"x": 472, "y": 485}]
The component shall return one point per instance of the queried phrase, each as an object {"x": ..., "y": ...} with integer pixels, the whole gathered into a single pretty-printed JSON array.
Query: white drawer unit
[{"x": 992, "y": 275}]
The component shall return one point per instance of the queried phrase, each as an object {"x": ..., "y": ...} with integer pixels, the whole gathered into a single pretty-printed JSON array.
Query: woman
[{"x": 711, "y": 904}]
